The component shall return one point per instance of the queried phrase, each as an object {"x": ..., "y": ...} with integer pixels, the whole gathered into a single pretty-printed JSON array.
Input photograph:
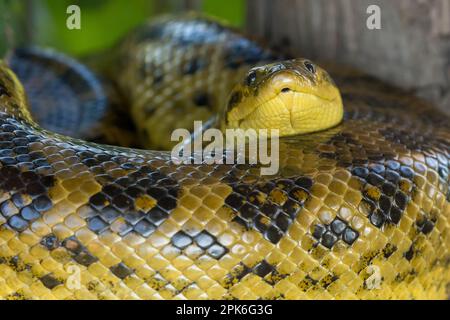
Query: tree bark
[{"x": 411, "y": 50}]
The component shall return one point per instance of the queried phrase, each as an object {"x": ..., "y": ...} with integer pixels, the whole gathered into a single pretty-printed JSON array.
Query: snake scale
[{"x": 358, "y": 211}]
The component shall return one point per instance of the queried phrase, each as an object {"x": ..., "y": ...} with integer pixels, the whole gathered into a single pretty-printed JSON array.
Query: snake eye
[
  {"x": 251, "y": 78},
  {"x": 310, "y": 67}
]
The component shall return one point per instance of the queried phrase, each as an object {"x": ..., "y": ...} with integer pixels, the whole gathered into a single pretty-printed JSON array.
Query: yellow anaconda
[{"x": 361, "y": 210}]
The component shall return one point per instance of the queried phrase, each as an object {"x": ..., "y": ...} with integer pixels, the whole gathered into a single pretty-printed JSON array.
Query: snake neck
[{"x": 12, "y": 96}]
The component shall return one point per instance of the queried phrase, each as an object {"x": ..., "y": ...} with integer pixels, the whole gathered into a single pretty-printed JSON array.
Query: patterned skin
[{"x": 361, "y": 210}]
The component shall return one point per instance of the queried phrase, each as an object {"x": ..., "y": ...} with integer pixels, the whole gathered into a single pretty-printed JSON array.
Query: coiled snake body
[{"x": 361, "y": 210}]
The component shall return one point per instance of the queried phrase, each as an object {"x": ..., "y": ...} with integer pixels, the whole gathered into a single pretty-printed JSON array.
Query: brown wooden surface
[{"x": 412, "y": 48}]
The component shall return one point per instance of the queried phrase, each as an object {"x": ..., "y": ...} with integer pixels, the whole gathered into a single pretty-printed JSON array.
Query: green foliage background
[{"x": 102, "y": 21}]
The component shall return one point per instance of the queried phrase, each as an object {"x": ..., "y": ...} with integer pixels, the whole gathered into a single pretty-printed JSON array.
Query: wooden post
[{"x": 411, "y": 50}]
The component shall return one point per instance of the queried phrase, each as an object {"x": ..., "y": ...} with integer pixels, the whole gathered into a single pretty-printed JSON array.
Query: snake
[{"x": 359, "y": 208}]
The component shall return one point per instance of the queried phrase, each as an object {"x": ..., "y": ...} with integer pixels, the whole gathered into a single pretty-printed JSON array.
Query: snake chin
[{"x": 292, "y": 112}]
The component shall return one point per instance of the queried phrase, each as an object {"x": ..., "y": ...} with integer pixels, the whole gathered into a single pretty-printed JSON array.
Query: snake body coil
[{"x": 361, "y": 210}]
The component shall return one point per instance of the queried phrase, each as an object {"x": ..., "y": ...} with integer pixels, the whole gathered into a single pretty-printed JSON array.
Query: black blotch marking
[
  {"x": 329, "y": 239},
  {"x": 406, "y": 277},
  {"x": 304, "y": 182},
  {"x": 79, "y": 253},
  {"x": 425, "y": 225},
  {"x": 118, "y": 197},
  {"x": 202, "y": 99},
  {"x": 25, "y": 174},
  {"x": 15, "y": 263},
  {"x": 42, "y": 203},
  {"x": 263, "y": 268},
  {"x": 326, "y": 281},
  {"x": 269, "y": 215},
  {"x": 388, "y": 250},
  {"x": 408, "y": 255},
  {"x": 236, "y": 274},
  {"x": 210, "y": 244},
  {"x": 377, "y": 218},
  {"x": 121, "y": 270},
  {"x": 307, "y": 283},
  {"x": 366, "y": 260},
  {"x": 387, "y": 188},
  {"x": 17, "y": 296},
  {"x": 329, "y": 234},
  {"x": 50, "y": 282}
]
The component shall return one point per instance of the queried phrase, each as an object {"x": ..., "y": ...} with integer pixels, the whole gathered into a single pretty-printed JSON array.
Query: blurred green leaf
[
  {"x": 231, "y": 10},
  {"x": 103, "y": 22}
]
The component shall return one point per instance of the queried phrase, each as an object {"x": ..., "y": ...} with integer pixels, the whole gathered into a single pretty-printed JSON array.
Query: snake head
[{"x": 293, "y": 96}]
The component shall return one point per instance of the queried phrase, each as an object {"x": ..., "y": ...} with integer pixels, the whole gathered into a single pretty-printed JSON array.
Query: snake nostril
[{"x": 285, "y": 90}]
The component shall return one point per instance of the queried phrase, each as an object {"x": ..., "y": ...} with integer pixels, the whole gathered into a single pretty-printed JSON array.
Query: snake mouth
[{"x": 292, "y": 112}]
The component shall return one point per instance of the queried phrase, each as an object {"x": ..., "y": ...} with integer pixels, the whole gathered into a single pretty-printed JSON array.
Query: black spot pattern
[
  {"x": 389, "y": 249},
  {"x": 410, "y": 253},
  {"x": 262, "y": 269},
  {"x": 50, "y": 282},
  {"x": 425, "y": 226},
  {"x": 118, "y": 198},
  {"x": 24, "y": 173},
  {"x": 204, "y": 240},
  {"x": 121, "y": 270},
  {"x": 269, "y": 207},
  {"x": 338, "y": 229},
  {"x": 386, "y": 190}
]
